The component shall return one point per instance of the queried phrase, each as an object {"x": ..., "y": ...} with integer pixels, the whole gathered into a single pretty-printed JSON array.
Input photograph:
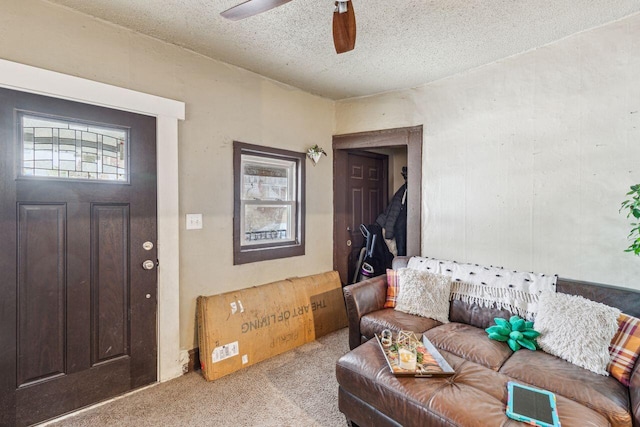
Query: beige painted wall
[
  {"x": 223, "y": 104},
  {"x": 526, "y": 160}
]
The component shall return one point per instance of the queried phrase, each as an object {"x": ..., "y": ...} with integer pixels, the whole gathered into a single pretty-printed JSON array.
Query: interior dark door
[
  {"x": 366, "y": 195},
  {"x": 78, "y": 310}
]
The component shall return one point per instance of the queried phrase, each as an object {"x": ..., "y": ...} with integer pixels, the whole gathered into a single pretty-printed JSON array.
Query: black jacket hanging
[{"x": 394, "y": 220}]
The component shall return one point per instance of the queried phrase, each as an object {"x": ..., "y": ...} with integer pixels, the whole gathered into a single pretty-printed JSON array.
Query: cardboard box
[{"x": 240, "y": 328}]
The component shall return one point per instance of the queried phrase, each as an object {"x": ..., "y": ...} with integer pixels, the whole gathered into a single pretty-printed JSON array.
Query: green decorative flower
[{"x": 516, "y": 332}]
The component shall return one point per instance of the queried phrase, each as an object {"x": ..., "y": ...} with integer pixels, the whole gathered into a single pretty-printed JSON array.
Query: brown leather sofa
[{"x": 369, "y": 395}]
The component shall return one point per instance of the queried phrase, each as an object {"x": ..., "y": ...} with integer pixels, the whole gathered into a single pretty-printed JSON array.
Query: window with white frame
[{"x": 268, "y": 203}]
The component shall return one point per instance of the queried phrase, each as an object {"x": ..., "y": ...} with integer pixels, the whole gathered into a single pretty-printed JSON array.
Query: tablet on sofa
[{"x": 531, "y": 405}]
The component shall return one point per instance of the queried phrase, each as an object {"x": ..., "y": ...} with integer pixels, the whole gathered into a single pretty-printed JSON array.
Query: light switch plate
[{"x": 194, "y": 221}]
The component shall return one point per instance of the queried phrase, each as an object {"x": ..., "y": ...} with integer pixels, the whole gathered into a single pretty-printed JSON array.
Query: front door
[{"x": 77, "y": 223}]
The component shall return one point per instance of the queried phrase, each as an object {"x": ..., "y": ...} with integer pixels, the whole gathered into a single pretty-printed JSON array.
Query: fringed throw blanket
[{"x": 490, "y": 286}]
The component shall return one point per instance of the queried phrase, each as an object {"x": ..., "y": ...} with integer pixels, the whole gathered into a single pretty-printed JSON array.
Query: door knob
[
  {"x": 148, "y": 265},
  {"x": 348, "y": 242}
]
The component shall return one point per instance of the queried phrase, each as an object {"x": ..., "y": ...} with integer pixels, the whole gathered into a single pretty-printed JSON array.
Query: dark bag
[{"x": 377, "y": 256}]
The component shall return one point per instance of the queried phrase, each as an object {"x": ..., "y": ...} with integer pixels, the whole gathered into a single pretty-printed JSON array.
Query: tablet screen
[{"x": 532, "y": 404}]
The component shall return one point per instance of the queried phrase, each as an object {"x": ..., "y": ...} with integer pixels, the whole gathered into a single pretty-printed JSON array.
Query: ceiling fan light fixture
[
  {"x": 250, "y": 8},
  {"x": 342, "y": 6},
  {"x": 344, "y": 27},
  {"x": 344, "y": 19}
]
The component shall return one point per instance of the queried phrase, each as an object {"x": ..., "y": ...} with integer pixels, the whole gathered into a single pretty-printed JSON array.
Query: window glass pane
[
  {"x": 60, "y": 148},
  {"x": 267, "y": 179},
  {"x": 267, "y": 224}
]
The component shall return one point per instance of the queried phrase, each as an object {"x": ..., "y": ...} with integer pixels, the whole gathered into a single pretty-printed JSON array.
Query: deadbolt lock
[{"x": 148, "y": 265}]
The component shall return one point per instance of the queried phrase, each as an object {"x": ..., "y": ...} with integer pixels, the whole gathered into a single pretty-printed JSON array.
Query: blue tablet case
[{"x": 531, "y": 405}]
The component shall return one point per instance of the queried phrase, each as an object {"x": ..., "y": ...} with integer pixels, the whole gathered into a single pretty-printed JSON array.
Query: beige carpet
[{"x": 297, "y": 388}]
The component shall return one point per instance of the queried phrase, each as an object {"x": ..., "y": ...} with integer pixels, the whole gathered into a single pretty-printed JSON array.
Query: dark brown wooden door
[
  {"x": 365, "y": 197},
  {"x": 77, "y": 309}
]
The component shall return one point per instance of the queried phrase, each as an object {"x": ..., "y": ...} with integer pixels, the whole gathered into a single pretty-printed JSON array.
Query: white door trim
[{"x": 26, "y": 78}]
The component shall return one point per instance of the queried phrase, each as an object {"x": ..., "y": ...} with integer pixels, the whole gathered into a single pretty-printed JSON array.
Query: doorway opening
[{"x": 392, "y": 144}]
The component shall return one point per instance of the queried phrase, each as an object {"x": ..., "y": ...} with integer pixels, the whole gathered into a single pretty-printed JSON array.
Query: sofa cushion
[
  {"x": 576, "y": 329},
  {"x": 603, "y": 394},
  {"x": 474, "y": 396},
  {"x": 470, "y": 343},
  {"x": 388, "y": 318},
  {"x": 424, "y": 294},
  {"x": 474, "y": 314}
]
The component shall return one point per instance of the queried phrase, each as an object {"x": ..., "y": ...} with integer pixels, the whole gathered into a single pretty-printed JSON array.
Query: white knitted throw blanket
[{"x": 490, "y": 286}]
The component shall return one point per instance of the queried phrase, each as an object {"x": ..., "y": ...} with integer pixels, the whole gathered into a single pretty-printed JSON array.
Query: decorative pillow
[
  {"x": 424, "y": 294},
  {"x": 393, "y": 286},
  {"x": 624, "y": 348},
  {"x": 516, "y": 332},
  {"x": 576, "y": 329}
]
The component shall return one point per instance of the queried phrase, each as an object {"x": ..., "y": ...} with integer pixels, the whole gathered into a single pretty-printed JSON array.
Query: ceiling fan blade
[
  {"x": 344, "y": 29},
  {"x": 250, "y": 8}
]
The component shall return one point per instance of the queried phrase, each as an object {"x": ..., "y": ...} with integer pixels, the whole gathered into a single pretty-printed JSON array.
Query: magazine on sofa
[{"x": 428, "y": 363}]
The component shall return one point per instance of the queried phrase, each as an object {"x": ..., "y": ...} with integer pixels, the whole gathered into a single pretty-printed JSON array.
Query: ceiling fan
[{"x": 344, "y": 19}]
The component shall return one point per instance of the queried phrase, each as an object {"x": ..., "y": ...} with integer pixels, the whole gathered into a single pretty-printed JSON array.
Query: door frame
[
  {"x": 411, "y": 137},
  {"x": 167, "y": 112}
]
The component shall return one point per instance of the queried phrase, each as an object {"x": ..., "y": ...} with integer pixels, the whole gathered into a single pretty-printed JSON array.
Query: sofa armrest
[
  {"x": 634, "y": 394},
  {"x": 362, "y": 298}
]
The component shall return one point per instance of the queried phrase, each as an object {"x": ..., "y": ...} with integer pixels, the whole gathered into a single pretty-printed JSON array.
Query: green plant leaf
[{"x": 631, "y": 206}]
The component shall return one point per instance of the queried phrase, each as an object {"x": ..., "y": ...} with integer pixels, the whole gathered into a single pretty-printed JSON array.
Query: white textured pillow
[
  {"x": 576, "y": 329},
  {"x": 424, "y": 294}
]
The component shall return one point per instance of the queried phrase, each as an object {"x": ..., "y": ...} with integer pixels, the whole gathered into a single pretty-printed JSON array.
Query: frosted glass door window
[{"x": 64, "y": 149}]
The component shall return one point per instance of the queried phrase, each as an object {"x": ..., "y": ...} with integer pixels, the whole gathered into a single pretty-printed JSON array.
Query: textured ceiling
[{"x": 400, "y": 43}]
